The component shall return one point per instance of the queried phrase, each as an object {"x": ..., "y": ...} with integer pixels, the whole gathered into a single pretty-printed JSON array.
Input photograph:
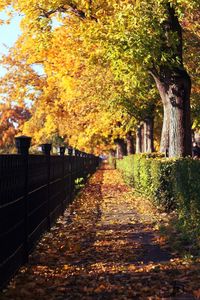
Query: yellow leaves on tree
[{"x": 89, "y": 78}]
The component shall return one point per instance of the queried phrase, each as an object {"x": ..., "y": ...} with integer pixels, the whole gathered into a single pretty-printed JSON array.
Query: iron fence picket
[{"x": 34, "y": 191}]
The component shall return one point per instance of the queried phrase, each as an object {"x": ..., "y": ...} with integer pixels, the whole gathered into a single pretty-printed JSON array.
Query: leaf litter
[{"x": 106, "y": 246}]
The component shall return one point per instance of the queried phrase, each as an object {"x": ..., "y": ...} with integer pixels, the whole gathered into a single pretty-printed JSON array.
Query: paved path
[{"x": 102, "y": 248}]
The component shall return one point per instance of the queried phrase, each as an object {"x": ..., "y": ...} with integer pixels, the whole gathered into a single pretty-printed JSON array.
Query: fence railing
[{"x": 34, "y": 191}]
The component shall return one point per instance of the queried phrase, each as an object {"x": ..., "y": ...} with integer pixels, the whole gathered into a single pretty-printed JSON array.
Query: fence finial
[
  {"x": 62, "y": 150},
  {"x": 69, "y": 151},
  {"x": 46, "y": 148},
  {"x": 22, "y": 144}
]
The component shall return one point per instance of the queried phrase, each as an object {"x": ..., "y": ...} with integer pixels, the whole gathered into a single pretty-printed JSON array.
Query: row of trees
[{"x": 108, "y": 71}]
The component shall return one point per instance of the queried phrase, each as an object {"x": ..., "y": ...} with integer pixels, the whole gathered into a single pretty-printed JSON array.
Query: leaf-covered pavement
[{"x": 103, "y": 248}]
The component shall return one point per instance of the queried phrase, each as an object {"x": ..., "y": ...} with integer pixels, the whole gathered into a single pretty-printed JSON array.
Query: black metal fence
[{"x": 34, "y": 191}]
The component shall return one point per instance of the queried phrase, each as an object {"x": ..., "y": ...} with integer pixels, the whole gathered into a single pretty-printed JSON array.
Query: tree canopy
[{"x": 100, "y": 62}]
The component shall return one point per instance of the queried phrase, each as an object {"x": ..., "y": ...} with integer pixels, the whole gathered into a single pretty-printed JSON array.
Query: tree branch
[
  {"x": 72, "y": 8},
  {"x": 154, "y": 72}
]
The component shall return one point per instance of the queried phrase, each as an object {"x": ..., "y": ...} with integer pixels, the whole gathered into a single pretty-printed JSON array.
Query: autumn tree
[
  {"x": 73, "y": 101},
  {"x": 12, "y": 117},
  {"x": 130, "y": 39},
  {"x": 147, "y": 38},
  {"x": 18, "y": 88}
]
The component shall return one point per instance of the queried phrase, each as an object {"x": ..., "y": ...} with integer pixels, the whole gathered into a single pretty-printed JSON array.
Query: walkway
[{"x": 102, "y": 248}]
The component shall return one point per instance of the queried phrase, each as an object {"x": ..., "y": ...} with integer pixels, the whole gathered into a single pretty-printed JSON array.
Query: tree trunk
[
  {"x": 148, "y": 135},
  {"x": 138, "y": 142},
  {"x": 130, "y": 143},
  {"x": 174, "y": 86},
  {"x": 142, "y": 137},
  {"x": 174, "y": 90},
  {"x": 180, "y": 136},
  {"x": 164, "y": 143},
  {"x": 121, "y": 148}
]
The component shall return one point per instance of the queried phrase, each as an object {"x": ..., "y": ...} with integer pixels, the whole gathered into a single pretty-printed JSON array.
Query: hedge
[{"x": 169, "y": 183}]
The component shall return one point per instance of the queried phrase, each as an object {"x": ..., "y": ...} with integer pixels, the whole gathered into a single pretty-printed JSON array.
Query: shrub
[
  {"x": 187, "y": 190},
  {"x": 126, "y": 167},
  {"x": 169, "y": 183},
  {"x": 162, "y": 175},
  {"x": 145, "y": 179}
]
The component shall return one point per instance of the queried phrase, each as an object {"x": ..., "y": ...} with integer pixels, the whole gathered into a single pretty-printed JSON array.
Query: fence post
[
  {"x": 62, "y": 154},
  {"x": 22, "y": 144},
  {"x": 46, "y": 150},
  {"x": 70, "y": 152}
]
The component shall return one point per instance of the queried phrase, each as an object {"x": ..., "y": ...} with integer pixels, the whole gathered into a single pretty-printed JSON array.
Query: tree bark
[
  {"x": 174, "y": 89},
  {"x": 180, "y": 136},
  {"x": 121, "y": 148},
  {"x": 138, "y": 142},
  {"x": 174, "y": 86},
  {"x": 148, "y": 135},
  {"x": 142, "y": 137},
  {"x": 164, "y": 143},
  {"x": 130, "y": 143}
]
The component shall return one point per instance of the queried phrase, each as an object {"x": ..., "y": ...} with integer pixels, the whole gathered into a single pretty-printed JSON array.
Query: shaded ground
[{"x": 102, "y": 248}]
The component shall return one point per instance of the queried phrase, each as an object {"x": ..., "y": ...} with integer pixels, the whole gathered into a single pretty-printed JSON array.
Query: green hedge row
[{"x": 169, "y": 183}]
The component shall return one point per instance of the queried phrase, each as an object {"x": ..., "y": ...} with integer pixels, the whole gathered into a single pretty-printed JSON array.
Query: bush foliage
[{"x": 169, "y": 183}]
